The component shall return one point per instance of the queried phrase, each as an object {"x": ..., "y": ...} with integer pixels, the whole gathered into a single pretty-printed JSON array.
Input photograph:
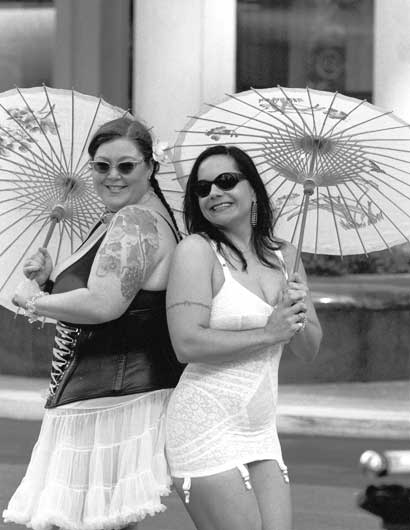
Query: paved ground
[
  {"x": 324, "y": 472},
  {"x": 323, "y": 429}
]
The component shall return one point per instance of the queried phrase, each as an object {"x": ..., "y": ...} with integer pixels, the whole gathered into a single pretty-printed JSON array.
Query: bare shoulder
[
  {"x": 137, "y": 216},
  {"x": 288, "y": 251},
  {"x": 194, "y": 246}
]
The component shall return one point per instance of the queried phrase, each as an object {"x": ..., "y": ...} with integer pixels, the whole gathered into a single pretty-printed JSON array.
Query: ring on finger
[{"x": 302, "y": 322}]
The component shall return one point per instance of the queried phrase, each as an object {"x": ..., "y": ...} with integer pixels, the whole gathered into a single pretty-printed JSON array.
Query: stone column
[
  {"x": 392, "y": 56},
  {"x": 92, "y": 48},
  {"x": 184, "y": 55}
]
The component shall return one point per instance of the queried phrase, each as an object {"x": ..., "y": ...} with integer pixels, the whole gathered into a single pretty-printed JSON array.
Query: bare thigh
[
  {"x": 221, "y": 502},
  {"x": 272, "y": 494}
]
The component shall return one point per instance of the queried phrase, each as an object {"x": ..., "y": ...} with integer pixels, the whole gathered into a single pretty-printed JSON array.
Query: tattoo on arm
[
  {"x": 188, "y": 303},
  {"x": 129, "y": 249}
]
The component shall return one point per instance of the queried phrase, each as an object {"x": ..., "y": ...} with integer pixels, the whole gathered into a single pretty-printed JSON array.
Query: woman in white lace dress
[{"x": 231, "y": 308}]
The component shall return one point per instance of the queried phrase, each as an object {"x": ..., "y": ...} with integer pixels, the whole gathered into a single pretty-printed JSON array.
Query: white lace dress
[{"x": 223, "y": 415}]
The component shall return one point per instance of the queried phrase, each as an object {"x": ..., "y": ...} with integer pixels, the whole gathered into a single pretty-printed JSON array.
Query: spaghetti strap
[{"x": 221, "y": 259}]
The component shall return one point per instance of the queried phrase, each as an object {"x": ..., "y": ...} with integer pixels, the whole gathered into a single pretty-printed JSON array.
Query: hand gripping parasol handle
[
  {"x": 57, "y": 213},
  {"x": 308, "y": 188}
]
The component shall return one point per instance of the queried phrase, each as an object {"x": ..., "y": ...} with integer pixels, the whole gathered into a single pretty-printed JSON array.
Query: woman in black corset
[{"x": 99, "y": 462}]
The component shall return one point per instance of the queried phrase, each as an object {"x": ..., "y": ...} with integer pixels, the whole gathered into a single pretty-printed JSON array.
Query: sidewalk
[{"x": 371, "y": 410}]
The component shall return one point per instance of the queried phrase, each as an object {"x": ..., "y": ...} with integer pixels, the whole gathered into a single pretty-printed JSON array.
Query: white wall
[
  {"x": 392, "y": 56},
  {"x": 184, "y": 55}
]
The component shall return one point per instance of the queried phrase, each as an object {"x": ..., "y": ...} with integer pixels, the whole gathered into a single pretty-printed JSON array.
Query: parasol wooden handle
[
  {"x": 57, "y": 213},
  {"x": 309, "y": 186}
]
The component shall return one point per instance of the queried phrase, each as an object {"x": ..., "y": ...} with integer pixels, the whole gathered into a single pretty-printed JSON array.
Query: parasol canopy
[
  {"x": 336, "y": 168},
  {"x": 46, "y": 192}
]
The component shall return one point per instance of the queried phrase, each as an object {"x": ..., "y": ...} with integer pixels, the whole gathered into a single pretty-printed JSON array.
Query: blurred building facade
[{"x": 165, "y": 59}]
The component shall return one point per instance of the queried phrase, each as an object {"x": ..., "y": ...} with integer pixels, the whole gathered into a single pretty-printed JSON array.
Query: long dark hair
[
  {"x": 138, "y": 133},
  {"x": 263, "y": 238}
]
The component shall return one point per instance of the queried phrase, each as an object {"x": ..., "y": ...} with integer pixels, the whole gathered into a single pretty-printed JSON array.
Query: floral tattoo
[{"x": 129, "y": 249}]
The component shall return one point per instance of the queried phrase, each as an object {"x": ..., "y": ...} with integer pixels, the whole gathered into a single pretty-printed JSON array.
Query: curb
[
  {"x": 291, "y": 419},
  {"x": 341, "y": 418},
  {"x": 21, "y": 405},
  {"x": 348, "y": 422}
]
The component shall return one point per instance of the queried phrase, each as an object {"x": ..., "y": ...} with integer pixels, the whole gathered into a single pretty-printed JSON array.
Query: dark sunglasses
[
  {"x": 124, "y": 168},
  {"x": 224, "y": 181}
]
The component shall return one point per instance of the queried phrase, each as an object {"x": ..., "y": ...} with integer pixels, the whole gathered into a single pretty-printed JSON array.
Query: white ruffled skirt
[{"x": 96, "y": 468}]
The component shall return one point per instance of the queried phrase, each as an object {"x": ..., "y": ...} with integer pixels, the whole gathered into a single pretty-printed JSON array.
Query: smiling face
[
  {"x": 224, "y": 207},
  {"x": 117, "y": 190}
]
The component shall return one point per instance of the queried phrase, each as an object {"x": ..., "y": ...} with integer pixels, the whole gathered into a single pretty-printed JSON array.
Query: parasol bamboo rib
[
  {"x": 44, "y": 176},
  {"x": 357, "y": 199},
  {"x": 51, "y": 163},
  {"x": 329, "y": 132},
  {"x": 263, "y": 111},
  {"x": 237, "y": 126},
  {"x": 47, "y": 167},
  {"x": 317, "y": 220},
  {"x": 230, "y": 124},
  {"x": 45, "y": 136},
  {"x": 394, "y": 189},
  {"x": 90, "y": 128},
  {"x": 4, "y": 250},
  {"x": 365, "y": 192},
  {"x": 294, "y": 124},
  {"x": 72, "y": 133},
  {"x": 88, "y": 206},
  {"x": 364, "y": 122},
  {"x": 383, "y": 129},
  {"x": 56, "y": 128},
  {"x": 306, "y": 126},
  {"x": 311, "y": 111},
  {"x": 397, "y": 179},
  {"x": 339, "y": 242},
  {"x": 20, "y": 259}
]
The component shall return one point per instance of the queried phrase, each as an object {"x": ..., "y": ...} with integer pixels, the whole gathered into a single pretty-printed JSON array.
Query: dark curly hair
[
  {"x": 137, "y": 132},
  {"x": 263, "y": 238}
]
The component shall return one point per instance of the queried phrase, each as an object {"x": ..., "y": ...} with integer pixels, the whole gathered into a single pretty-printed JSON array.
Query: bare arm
[
  {"x": 189, "y": 299},
  {"x": 305, "y": 344},
  {"x": 123, "y": 263}
]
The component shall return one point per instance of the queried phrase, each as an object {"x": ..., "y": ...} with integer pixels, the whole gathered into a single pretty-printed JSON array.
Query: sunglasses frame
[
  {"x": 207, "y": 184},
  {"x": 110, "y": 166}
]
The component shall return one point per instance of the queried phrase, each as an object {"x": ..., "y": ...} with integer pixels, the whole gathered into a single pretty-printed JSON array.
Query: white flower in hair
[{"x": 159, "y": 152}]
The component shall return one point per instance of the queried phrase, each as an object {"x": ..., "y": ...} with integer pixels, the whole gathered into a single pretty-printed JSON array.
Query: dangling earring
[{"x": 254, "y": 214}]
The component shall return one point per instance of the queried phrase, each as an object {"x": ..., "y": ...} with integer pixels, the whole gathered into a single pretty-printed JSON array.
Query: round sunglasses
[
  {"x": 224, "y": 181},
  {"x": 124, "y": 168}
]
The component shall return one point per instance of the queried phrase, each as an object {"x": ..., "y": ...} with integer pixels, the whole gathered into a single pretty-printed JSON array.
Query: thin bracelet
[{"x": 30, "y": 309}]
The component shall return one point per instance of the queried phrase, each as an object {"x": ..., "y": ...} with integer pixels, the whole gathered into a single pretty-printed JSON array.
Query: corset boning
[{"x": 65, "y": 340}]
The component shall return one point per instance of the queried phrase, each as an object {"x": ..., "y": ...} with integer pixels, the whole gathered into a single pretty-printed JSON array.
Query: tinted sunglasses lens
[
  {"x": 202, "y": 188},
  {"x": 224, "y": 181},
  {"x": 101, "y": 167},
  {"x": 227, "y": 181},
  {"x": 125, "y": 168}
]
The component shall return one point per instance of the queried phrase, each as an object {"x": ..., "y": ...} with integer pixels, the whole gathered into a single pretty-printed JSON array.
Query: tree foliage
[{"x": 393, "y": 261}]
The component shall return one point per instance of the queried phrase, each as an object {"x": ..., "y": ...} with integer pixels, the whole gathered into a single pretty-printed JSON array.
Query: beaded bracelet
[{"x": 30, "y": 309}]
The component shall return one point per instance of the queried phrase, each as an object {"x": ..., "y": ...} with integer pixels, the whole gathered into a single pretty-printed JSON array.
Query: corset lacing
[{"x": 65, "y": 341}]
